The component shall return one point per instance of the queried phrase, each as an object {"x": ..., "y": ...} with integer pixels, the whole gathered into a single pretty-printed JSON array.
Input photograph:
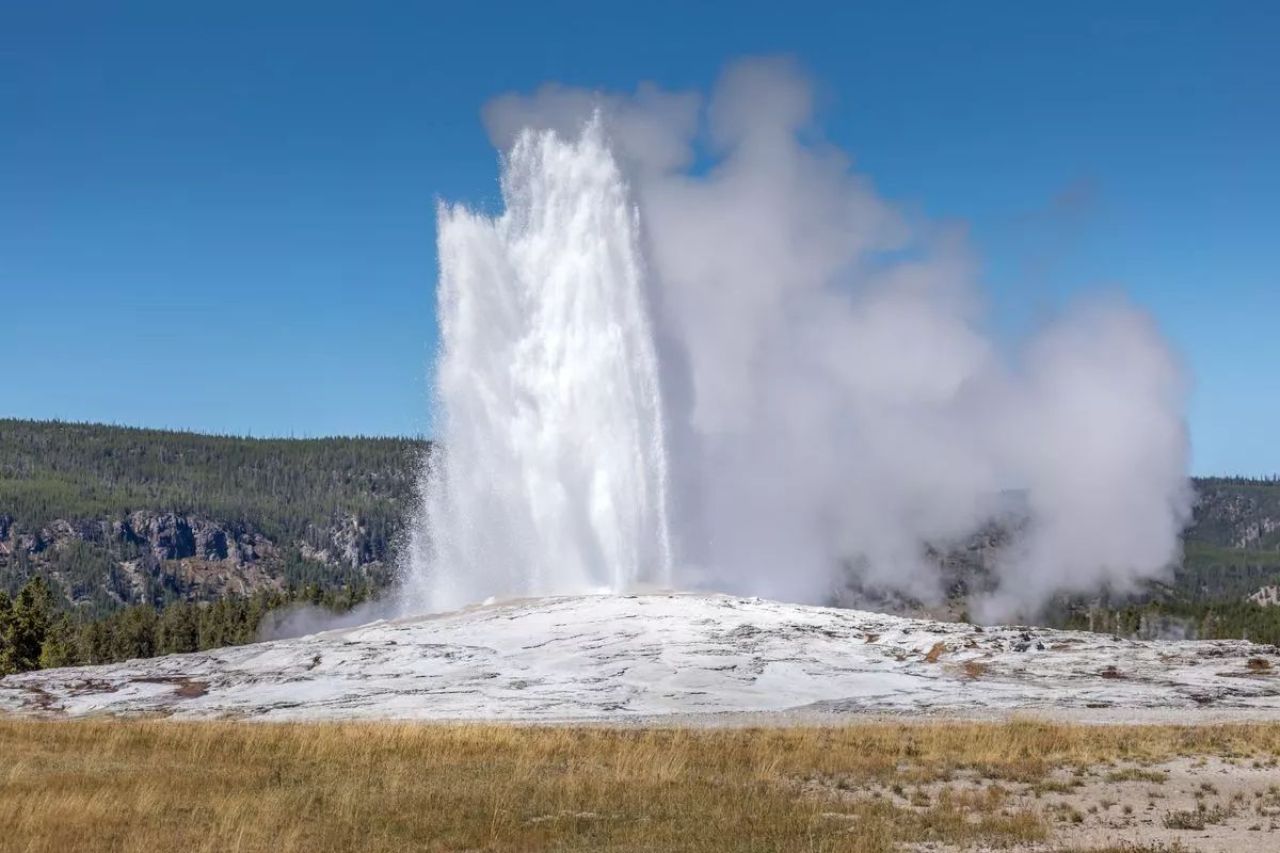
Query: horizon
[{"x": 223, "y": 221}]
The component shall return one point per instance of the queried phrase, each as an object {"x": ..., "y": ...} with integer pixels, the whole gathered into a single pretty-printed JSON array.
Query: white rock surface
[{"x": 703, "y": 657}]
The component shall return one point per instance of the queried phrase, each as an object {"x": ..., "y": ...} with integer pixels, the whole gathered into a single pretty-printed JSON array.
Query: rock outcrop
[{"x": 189, "y": 555}]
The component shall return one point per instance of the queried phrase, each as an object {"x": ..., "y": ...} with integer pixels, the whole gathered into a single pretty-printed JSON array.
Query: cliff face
[{"x": 146, "y": 554}]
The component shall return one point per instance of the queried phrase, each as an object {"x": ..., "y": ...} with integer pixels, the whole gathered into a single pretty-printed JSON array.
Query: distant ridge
[{"x": 122, "y": 515}]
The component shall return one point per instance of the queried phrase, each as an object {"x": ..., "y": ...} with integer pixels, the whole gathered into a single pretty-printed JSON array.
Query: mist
[
  {"x": 303, "y": 619},
  {"x": 831, "y": 403}
]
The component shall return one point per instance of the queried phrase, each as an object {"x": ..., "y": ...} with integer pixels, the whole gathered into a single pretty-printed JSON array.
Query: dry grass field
[{"x": 867, "y": 787}]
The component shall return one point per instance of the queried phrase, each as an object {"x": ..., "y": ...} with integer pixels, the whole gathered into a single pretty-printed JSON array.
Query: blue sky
[{"x": 220, "y": 216}]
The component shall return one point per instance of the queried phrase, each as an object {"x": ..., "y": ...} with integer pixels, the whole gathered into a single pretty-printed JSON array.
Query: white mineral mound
[{"x": 640, "y": 657}]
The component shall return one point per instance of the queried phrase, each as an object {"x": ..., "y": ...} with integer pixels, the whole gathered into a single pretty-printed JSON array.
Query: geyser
[
  {"x": 553, "y": 473},
  {"x": 696, "y": 349}
]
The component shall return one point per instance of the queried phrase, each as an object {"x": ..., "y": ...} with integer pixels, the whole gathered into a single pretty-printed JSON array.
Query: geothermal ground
[{"x": 700, "y": 658}]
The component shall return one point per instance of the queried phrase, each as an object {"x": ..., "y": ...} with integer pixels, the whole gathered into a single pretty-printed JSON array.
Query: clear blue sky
[{"x": 219, "y": 216}]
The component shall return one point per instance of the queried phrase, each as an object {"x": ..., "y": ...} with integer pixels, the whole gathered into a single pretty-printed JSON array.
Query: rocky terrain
[
  {"x": 188, "y": 556},
  {"x": 1267, "y": 596}
]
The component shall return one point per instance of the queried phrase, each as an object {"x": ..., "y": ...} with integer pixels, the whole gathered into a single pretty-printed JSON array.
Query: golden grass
[{"x": 225, "y": 786}]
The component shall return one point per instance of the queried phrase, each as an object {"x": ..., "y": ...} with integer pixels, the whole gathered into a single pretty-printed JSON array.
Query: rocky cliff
[{"x": 148, "y": 556}]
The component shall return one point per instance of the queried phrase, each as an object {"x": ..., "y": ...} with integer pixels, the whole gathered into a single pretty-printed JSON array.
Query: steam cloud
[{"x": 831, "y": 404}]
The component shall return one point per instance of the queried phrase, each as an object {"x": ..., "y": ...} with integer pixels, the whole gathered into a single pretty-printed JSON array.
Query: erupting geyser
[
  {"x": 755, "y": 375},
  {"x": 553, "y": 477}
]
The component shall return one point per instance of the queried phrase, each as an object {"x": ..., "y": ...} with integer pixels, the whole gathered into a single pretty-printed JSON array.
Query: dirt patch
[{"x": 1205, "y": 805}]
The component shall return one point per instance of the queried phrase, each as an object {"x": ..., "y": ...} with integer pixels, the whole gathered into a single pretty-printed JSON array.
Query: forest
[
  {"x": 51, "y": 470},
  {"x": 36, "y": 634}
]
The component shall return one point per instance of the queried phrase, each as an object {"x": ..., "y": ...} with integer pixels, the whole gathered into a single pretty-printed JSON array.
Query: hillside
[
  {"x": 116, "y": 516},
  {"x": 1238, "y": 514}
]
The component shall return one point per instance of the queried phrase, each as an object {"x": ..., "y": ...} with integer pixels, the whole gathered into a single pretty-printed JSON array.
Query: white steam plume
[{"x": 829, "y": 397}]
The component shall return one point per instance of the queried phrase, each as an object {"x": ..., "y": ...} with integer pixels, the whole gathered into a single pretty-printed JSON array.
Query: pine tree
[
  {"x": 95, "y": 642},
  {"x": 60, "y": 647},
  {"x": 179, "y": 629},
  {"x": 7, "y": 663},
  {"x": 135, "y": 634},
  {"x": 32, "y": 613}
]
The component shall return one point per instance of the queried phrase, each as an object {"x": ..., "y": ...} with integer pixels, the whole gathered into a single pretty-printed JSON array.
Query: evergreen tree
[
  {"x": 135, "y": 633},
  {"x": 7, "y": 663},
  {"x": 95, "y": 642},
  {"x": 32, "y": 614},
  {"x": 178, "y": 631},
  {"x": 60, "y": 646}
]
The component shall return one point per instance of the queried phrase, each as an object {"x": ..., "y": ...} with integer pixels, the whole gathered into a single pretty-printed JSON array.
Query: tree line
[
  {"x": 284, "y": 488},
  {"x": 36, "y": 634},
  {"x": 1202, "y": 620}
]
